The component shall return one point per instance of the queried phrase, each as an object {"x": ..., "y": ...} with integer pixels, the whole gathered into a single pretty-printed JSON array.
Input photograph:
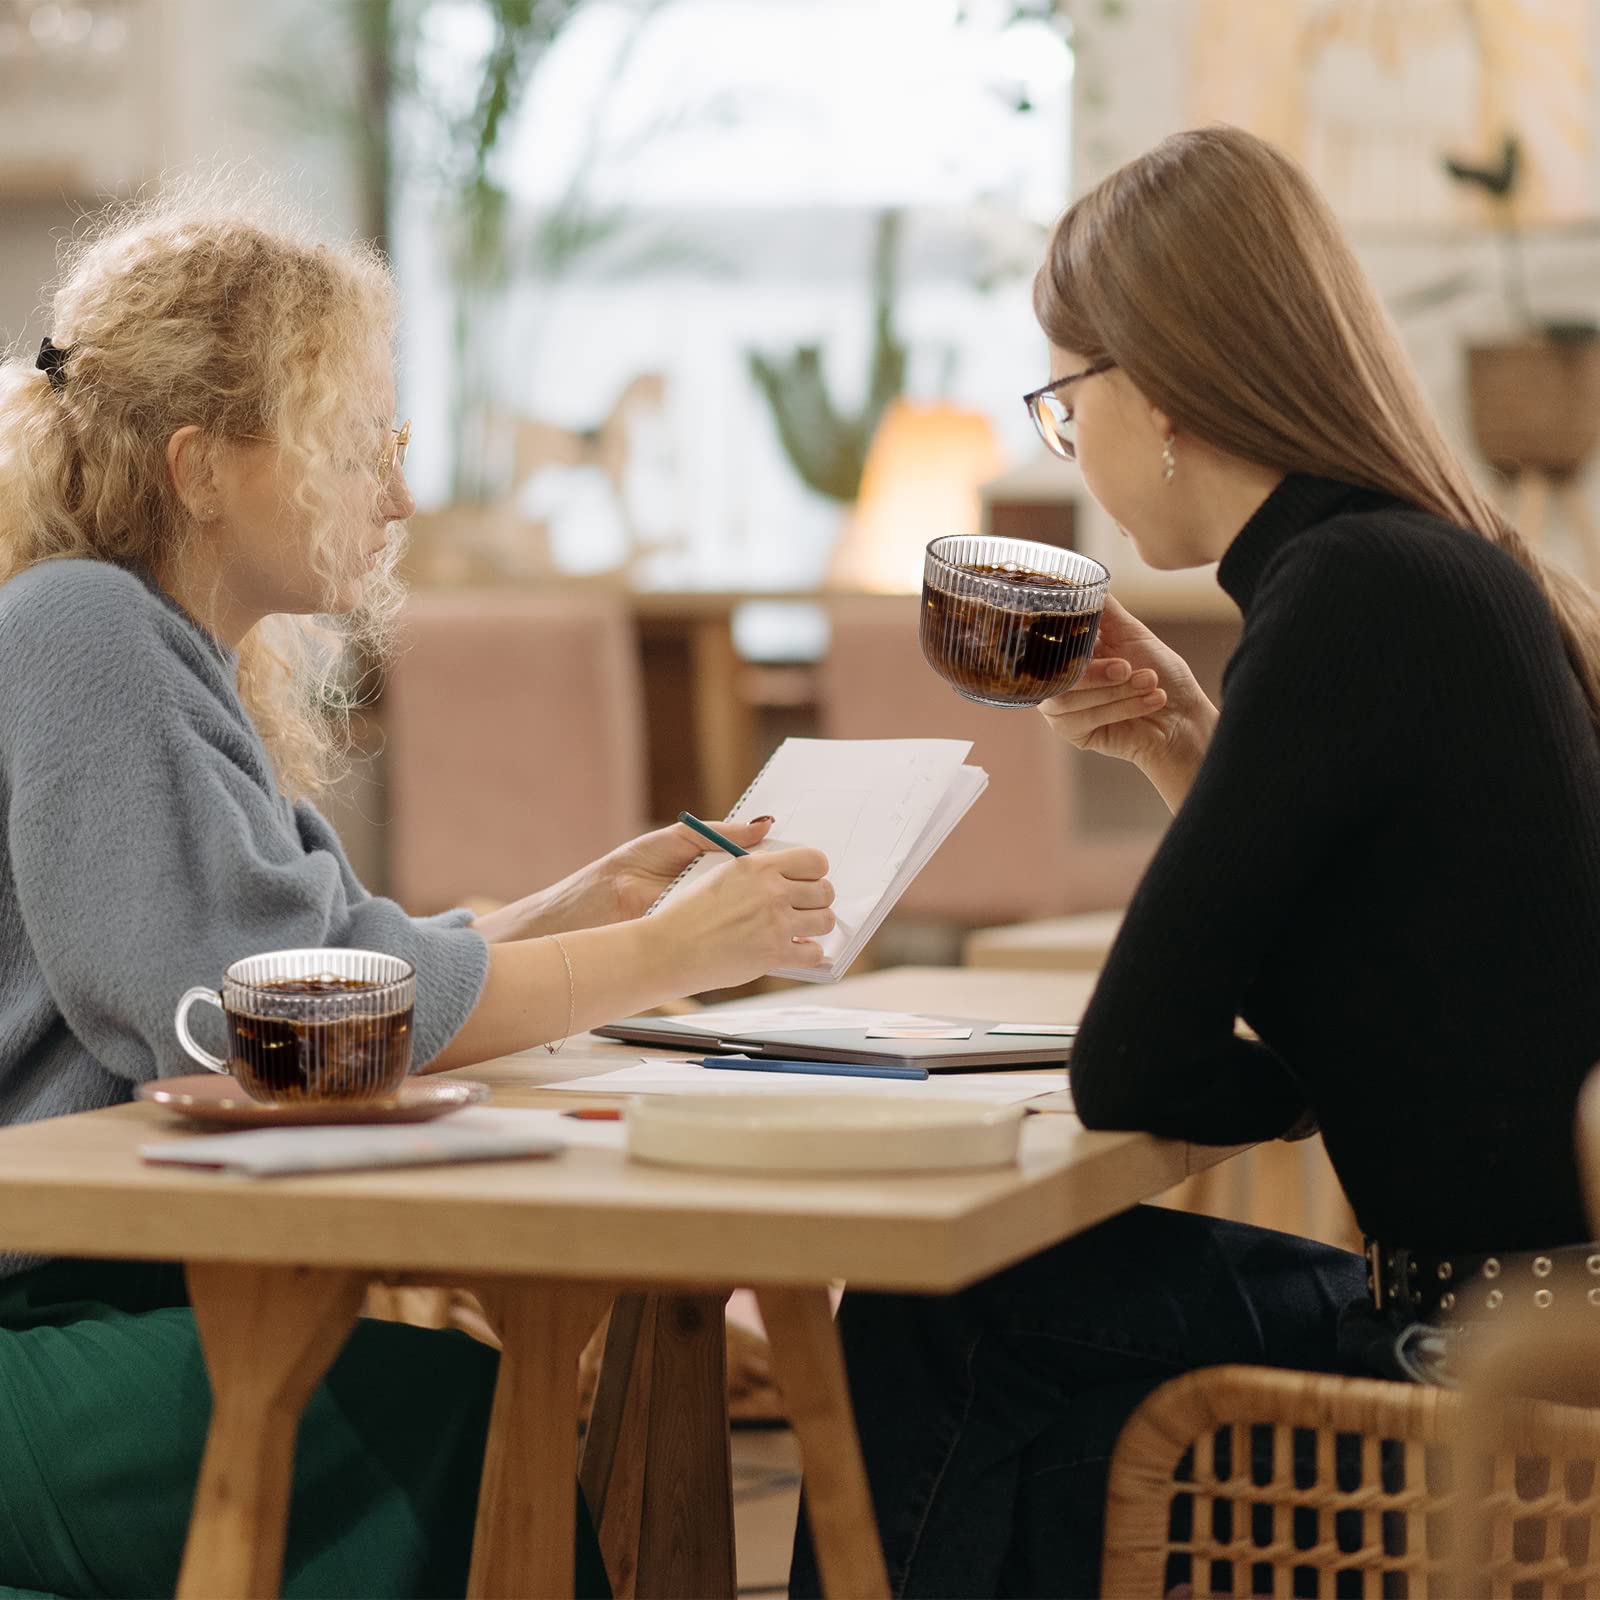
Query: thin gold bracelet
[{"x": 571, "y": 996}]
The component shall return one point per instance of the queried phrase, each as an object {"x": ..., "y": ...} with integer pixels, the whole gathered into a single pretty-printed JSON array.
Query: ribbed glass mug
[
  {"x": 311, "y": 1024},
  {"x": 1006, "y": 622}
]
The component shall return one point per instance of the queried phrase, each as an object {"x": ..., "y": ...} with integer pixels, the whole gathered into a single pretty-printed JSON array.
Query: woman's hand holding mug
[
  {"x": 742, "y": 918},
  {"x": 1139, "y": 701}
]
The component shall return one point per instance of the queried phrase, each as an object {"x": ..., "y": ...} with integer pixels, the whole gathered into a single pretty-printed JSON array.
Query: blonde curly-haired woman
[{"x": 200, "y": 459}]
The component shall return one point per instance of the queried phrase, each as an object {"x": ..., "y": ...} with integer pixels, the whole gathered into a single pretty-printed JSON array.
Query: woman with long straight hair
[{"x": 1384, "y": 856}]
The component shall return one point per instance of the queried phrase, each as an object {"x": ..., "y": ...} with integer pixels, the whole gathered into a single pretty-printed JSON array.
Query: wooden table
[{"x": 277, "y": 1270}]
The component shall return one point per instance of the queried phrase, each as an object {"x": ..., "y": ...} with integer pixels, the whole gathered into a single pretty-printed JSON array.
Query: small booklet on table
[
  {"x": 877, "y": 808},
  {"x": 477, "y": 1133}
]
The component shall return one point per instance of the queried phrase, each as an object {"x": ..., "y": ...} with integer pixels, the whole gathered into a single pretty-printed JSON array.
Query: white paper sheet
[
  {"x": 689, "y": 1077},
  {"x": 732, "y": 1022},
  {"x": 553, "y": 1125}
]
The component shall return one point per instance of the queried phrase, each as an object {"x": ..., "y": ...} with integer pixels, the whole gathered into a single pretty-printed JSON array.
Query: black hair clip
[{"x": 52, "y": 361}]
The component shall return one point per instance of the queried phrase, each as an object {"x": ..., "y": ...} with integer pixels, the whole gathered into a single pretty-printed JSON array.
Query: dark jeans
[{"x": 988, "y": 1417}]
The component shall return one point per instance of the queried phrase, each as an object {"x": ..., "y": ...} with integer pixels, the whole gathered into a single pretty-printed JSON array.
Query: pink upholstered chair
[
  {"x": 515, "y": 742},
  {"x": 1025, "y": 850}
]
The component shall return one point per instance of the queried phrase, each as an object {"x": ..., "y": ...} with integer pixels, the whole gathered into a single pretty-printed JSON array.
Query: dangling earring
[{"x": 1169, "y": 462}]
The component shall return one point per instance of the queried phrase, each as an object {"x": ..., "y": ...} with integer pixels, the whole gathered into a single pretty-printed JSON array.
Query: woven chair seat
[{"x": 1256, "y": 1481}]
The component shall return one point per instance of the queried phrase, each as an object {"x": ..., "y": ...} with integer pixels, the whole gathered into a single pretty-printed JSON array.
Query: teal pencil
[{"x": 706, "y": 831}]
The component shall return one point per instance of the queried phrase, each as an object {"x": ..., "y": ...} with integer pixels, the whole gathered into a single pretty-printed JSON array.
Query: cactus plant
[{"x": 826, "y": 444}]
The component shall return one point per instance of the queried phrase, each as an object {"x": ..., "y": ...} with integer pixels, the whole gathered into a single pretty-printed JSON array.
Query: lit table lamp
[{"x": 921, "y": 481}]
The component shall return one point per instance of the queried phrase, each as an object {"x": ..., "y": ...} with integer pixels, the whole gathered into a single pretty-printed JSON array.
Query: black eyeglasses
[{"x": 1051, "y": 414}]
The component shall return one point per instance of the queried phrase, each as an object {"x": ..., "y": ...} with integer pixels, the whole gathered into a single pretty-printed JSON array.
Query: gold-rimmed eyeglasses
[
  {"x": 394, "y": 455},
  {"x": 390, "y": 457},
  {"x": 1052, "y": 413}
]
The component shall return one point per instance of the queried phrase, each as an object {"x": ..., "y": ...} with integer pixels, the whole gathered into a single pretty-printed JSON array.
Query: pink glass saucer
[{"x": 213, "y": 1098}]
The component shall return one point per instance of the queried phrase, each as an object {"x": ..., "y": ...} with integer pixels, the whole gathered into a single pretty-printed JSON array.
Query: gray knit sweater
[{"x": 146, "y": 846}]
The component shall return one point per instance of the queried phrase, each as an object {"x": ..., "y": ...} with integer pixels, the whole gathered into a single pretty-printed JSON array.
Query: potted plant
[{"x": 1534, "y": 398}]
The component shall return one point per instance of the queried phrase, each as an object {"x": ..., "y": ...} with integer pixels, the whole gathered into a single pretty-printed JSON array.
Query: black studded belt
[{"x": 1452, "y": 1286}]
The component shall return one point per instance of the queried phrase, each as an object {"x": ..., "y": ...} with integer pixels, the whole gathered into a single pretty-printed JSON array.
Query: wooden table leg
[
  {"x": 269, "y": 1334},
  {"x": 808, "y": 1366},
  {"x": 660, "y": 1425},
  {"x": 612, "y": 1468},
  {"x": 686, "y": 1549},
  {"x": 523, "y": 1540}
]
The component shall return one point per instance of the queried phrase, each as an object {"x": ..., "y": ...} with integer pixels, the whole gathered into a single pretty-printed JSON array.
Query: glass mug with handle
[{"x": 311, "y": 1024}]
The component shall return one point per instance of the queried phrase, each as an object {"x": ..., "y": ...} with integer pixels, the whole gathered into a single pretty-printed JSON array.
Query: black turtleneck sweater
[{"x": 1389, "y": 866}]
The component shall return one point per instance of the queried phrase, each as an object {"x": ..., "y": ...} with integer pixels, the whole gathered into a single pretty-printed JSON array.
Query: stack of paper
[{"x": 877, "y": 808}]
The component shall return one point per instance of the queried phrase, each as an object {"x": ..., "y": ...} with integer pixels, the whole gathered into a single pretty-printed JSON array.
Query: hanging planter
[
  {"x": 1534, "y": 402},
  {"x": 1533, "y": 399}
]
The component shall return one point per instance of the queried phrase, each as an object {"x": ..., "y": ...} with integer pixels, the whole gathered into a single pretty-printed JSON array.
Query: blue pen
[
  {"x": 706, "y": 831},
  {"x": 832, "y": 1069}
]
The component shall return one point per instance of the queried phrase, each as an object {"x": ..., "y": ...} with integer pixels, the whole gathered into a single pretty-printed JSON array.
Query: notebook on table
[{"x": 877, "y": 808}]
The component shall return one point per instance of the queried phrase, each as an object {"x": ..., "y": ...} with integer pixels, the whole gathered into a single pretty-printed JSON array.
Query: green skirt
[{"x": 104, "y": 1403}]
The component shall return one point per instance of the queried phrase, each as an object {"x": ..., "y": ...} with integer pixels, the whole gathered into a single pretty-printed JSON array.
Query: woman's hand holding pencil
[
  {"x": 639, "y": 872},
  {"x": 753, "y": 913}
]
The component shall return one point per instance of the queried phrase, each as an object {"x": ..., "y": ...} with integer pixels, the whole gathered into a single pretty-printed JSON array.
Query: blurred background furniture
[
  {"x": 665, "y": 667},
  {"x": 1051, "y": 944},
  {"x": 700, "y": 726},
  {"x": 515, "y": 742}
]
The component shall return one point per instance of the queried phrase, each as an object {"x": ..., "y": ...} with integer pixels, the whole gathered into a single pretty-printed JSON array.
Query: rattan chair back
[{"x": 1255, "y": 1481}]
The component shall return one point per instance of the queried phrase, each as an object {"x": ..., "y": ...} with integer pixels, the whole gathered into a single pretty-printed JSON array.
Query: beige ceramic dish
[{"x": 751, "y": 1133}]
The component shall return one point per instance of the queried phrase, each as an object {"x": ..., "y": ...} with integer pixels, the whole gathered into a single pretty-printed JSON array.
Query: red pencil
[{"x": 596, "y": 1114}]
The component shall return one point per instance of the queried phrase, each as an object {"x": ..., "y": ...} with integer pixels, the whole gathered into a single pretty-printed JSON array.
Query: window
[{"x": 726, "y": 164}]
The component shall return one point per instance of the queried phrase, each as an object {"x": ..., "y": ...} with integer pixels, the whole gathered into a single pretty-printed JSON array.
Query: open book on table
[{"x": 877, "y": 808}]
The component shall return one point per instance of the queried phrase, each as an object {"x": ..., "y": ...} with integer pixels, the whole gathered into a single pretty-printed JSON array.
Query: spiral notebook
[{"x": 877, "y": 808}]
